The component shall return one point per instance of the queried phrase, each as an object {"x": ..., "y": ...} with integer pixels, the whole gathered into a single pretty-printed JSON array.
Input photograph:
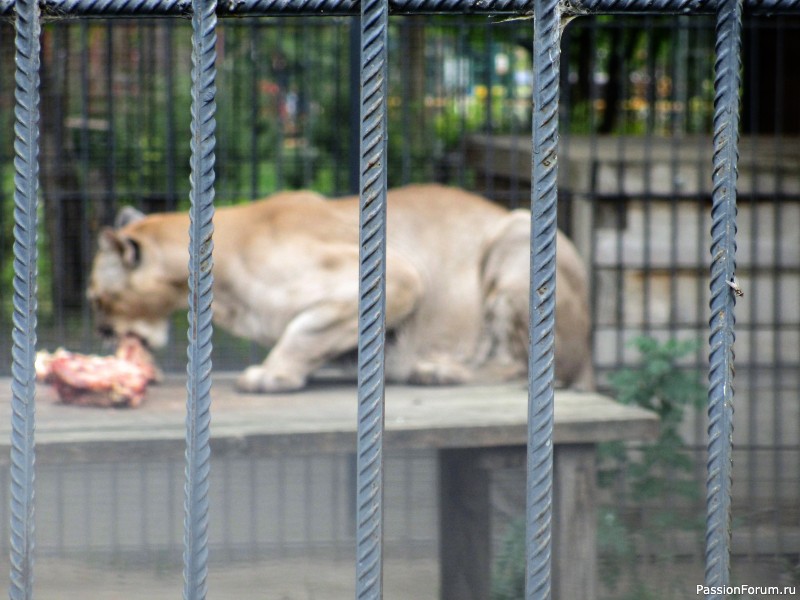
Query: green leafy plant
[
  {"x": 657, "y": 478},
  {"x": 658, "y": 384},
  {"x": 661, "y": 469},
  {"x": 508, "y": 570}
]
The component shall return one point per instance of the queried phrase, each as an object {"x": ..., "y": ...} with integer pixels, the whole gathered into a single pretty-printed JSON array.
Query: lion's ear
[
  {"x": 126, "y": 216},
  {"x": 128, "y": 249}
]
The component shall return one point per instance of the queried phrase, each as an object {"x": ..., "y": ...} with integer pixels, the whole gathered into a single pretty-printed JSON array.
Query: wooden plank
[
  {"x": 574, "y": 522},
  {"x": 475, "y": 428},
  {"x": 466, "y": 519},
  {"x": 321, "y": 419}
]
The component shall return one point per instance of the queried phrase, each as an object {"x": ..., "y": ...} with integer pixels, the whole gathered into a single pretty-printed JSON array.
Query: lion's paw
[
  {"x": 440, "y": 371},
  {"x": 258, "y": 380}
]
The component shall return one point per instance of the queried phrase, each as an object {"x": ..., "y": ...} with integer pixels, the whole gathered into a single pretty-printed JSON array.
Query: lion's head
[{"x": 133, "y": 286}]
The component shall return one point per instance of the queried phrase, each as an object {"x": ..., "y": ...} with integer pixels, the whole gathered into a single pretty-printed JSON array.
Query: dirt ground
[
  {"x": 333, "y": 578},
  {"x": 274, "y": 579}
]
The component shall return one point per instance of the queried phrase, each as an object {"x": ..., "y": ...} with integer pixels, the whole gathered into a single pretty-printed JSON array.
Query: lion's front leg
[
  {"x": 329, "y": 327},
  {"x": 311, "y": 339}
]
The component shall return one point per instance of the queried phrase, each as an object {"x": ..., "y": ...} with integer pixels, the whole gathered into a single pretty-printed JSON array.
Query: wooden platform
[
  {"x": 473, "y": 429},
  {"x": 321, "y": 419}
]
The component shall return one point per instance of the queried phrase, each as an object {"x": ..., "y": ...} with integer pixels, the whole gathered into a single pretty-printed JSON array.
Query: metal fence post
[
  {"x": 26, "y": 184},
  {"x": 372, "y": 301},
  {"x": 723, "y": 294},
  {"x": 546, "y": 59},
  {"x": 198, "y": 413}
]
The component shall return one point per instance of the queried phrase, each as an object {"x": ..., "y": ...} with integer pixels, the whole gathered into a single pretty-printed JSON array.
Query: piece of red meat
[{"x": 106, "y": 381}]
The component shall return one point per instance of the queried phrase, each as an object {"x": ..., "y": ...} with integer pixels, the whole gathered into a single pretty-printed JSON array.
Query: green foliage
[
  {"x": 657, "y": 476},
  {"x": 508, "y": 571},
  {"x": 613, "y": 539},
  {"x": 659, "y": 470},
  {"x": 660, "y": 385}
]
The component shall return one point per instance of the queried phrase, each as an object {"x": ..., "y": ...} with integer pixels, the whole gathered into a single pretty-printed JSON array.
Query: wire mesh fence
[{"x": 635, "y": 177}]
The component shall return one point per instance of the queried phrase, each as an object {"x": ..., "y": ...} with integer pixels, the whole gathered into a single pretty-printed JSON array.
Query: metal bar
[
  {"x": 85, "y": 256},
  {"x": 354, "y": 105},
  {"x": 254, "y": 63},
  {"x": 723, "y": 297},
  {"x": 675, "y": 6},
  {"x": 305, "y": 114},
  {"x": 4, "y": 90},
  {"x": 488, "y": 81},
  {"x": 198, "y": 417},
  {"x": 110, "y": 201},
  {"x": 26, "y": 183},
  {"x": 138, "y": 124},
  {"x": 339, "y": 140},
  {"x": 778, "y": 463},
  {"x": 172, "y": 200},
  {"x": 406, "y": 39},
  {"x": 183, "y": 8},
  {"x": 546, "y": 61},
  {"x": 371, "y": 300}
]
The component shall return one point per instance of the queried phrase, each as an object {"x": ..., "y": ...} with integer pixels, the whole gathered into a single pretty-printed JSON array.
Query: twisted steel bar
[
  {"x": 26, "y": 184},
  {"x": 372, "y": 301},
  {"x": 727, "y": 83},
  {"x": 233, "y": 8},
  {"x": 198, "y": 403},
  {"x": 674, "y": 6},
  {"x": 546, "y": 61}
]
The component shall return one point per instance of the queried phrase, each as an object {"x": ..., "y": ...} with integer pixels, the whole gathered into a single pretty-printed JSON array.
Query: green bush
[{"x": 661, "y": 469}]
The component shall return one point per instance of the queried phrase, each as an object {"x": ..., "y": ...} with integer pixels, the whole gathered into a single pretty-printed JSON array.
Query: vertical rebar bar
[
  {"x": 26, "y": 183},
  {"x": 109, "y": 179},
  {"x": 354, "y": 104},
  {"x": 723, "y": 267},
  {"x": 198, "y": 404},
  {"x": 372, "y": 301},
  {"x": 546, "y": 59},
  {"x": 778, "y": 295},
  {"x": 169, "y": 109},
  {"x": 84, "y": 257}
]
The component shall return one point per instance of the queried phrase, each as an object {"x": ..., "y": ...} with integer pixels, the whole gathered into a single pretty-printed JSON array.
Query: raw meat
[{"x": 106, "y": 381}]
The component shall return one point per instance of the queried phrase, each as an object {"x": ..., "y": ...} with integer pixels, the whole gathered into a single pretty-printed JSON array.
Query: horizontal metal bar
[
  {"x": 674, "y": 6},
  {"x": 53, "y": 9}
]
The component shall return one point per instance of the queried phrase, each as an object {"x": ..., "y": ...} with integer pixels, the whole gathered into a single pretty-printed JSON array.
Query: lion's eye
[{"x": 99, "y": 303}]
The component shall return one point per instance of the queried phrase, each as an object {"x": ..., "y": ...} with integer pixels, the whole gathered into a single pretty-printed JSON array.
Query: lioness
[{"x": 286, "y": 276}]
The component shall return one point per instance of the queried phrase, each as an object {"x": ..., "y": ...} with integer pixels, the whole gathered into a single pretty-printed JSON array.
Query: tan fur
[
  {"x": 505, "y": 280},
  {"x": 286, "y": 275}
]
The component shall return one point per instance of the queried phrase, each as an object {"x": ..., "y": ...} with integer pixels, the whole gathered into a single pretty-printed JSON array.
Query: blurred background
[{"x": 635, "y": 190}]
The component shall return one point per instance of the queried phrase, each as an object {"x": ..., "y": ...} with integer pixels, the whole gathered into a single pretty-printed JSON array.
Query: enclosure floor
[
  {"x": 333, "y": 578},
  {"x": 275, "y": 579}
]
